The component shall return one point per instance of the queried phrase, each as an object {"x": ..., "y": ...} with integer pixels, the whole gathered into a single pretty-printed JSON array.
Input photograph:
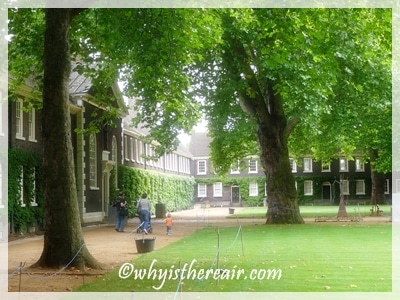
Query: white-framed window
[
  {"x": 114, "y": 149},
  {"x": 360, "y": 187},
  {"x": 201, "y": 190},
  {"x": 93, "y": 160},
  {"x": 307, "y": 165},
  {"x": 114, "y": 158},
  {"x": 19, "y": 119},
  {"x": 218, "y": 189},
  {"x": 137, "y": 150},
  {"x": 359, "y": 165},
  {"x": 175, "y": 162},
  {"x": 387, "y": 187},
  {"x": 132, "y": 148},
  {"x": 343, "y": 164},
  {"x": 235, "y": 169},
  {"x": 201, "y": 167},
  {"x": 253, "y": 189},
  {"x": 32, "y": 125},
  {"x": 167, "y": 163},
  {"x": 126, "y": 148},
  {"x": 308, "y": 187},
  {"x": 21, "y": 188},
  {"x": 33, "y": 178},
  {"x": 325, "y": 166},
  {"x": 253, "y": 166},
  {"x": 293, "y": 165},
  {"x": 344, "y": 184},
  {"x": 141, "y": 159}
]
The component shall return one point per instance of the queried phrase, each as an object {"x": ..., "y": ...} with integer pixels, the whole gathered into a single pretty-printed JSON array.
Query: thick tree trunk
[
  {"x": 63, "y": 238},
  {"x": 378, "y": 182},
  {"x": 282, "y": 196},
  {"x": 273, "y": 132}
]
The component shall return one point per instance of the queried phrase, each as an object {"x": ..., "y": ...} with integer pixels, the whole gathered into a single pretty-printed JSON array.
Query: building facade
[
  {"x": 98, "y": 156},
  {"x": 317, "y": 183}
]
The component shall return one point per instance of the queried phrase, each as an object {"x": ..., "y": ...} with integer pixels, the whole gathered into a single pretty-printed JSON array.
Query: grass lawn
[
  {"x": 313, "y": 211},
  {"x": 351, "y": 257}
]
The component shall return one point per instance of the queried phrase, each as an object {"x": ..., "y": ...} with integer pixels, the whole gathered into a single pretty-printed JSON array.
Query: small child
[{"x": 168, "y": 223}]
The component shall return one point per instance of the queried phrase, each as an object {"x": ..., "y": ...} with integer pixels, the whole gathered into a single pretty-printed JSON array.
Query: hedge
[{"x": 176, "y": 192}]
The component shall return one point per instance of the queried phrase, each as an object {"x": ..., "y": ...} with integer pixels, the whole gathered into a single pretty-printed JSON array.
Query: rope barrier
[{"x": 216, "y": 257}]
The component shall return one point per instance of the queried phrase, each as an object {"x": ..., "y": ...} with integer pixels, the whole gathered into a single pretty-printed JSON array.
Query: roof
[
  {"x": 199, "y": 144},
  {"x": 140, "y": 130},
  {"x": 79, "y": 84}
]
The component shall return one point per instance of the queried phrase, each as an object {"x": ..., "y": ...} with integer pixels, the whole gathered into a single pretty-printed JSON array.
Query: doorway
[
  {"x": 235, "y": 195},
  {"x": 326, "y": 192}
]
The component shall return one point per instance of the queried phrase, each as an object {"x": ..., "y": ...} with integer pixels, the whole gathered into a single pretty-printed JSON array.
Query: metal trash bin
[
  {"x": 144, "y": 245},
  {"x": 160, "y": 210}
]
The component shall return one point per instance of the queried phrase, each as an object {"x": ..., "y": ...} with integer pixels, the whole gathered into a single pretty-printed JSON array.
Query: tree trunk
[
  {"x": 63, "y": 238},
  {"x": 378, "y": 182},
  {"x": 282, "y": 196},
  {"x": 274, "y": 155}
]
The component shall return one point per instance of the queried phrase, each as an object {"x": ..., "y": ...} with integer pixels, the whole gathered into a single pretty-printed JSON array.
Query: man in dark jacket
[{"x": 121, "y": 206}]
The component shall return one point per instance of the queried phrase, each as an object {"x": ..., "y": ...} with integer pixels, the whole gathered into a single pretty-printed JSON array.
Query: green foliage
[
  {"x": 28, "y": 165},
  {"x": 176, "y": 192},
  {"x": 335, "y": 186}
]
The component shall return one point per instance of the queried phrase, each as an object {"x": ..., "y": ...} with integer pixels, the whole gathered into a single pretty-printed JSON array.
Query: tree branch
[{"x": 291, "y": 124}]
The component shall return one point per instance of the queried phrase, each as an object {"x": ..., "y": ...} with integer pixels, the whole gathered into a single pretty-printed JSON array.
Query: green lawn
[
  {"x": 316, "y": 257},
  {"x": 312, "y": 211}
]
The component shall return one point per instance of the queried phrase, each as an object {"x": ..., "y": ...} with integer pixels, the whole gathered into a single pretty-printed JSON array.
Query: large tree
[
  {"x": 59, "y": 184},
  {"x": 143, "y": 47},
  {"x": 292, "y": 79},
  {"x": 358, "y": 116}
]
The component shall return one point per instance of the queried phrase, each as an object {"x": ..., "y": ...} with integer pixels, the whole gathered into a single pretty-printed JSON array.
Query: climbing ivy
[
  {"x": 24, "y": 167},
  {"x": 176, "y": 192},
  {"x": 243, "y": 183},
  {"x": 335, "y": 188}
]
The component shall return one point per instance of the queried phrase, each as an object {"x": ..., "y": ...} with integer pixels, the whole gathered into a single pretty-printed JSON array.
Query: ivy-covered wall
[
  {"x": 27, "y": 168},
  {"x": 243, "y": 183},
  {"x": 176, "y": 192},
  {"x": 335, "y": 188}
]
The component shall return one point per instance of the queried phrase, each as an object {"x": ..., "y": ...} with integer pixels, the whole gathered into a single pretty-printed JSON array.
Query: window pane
[
  {"x": 253, "y": 189},
  {"x": 343, "y": 164},
  {"x": 252, "y": 166},
  {"x": 202, "y": 190},
  {"x": 92, "y": 160},
  {"x": 360, "y": 187},
  {"x": 307, "y": 165},
  {"x": 308, "y": 187},
  {"x": 201, "y": 167},
  {"x": 218, "y": 189}
]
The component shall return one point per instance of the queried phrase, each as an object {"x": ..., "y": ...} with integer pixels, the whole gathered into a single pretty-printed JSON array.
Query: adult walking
[{"x": 144, "y": 208}]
